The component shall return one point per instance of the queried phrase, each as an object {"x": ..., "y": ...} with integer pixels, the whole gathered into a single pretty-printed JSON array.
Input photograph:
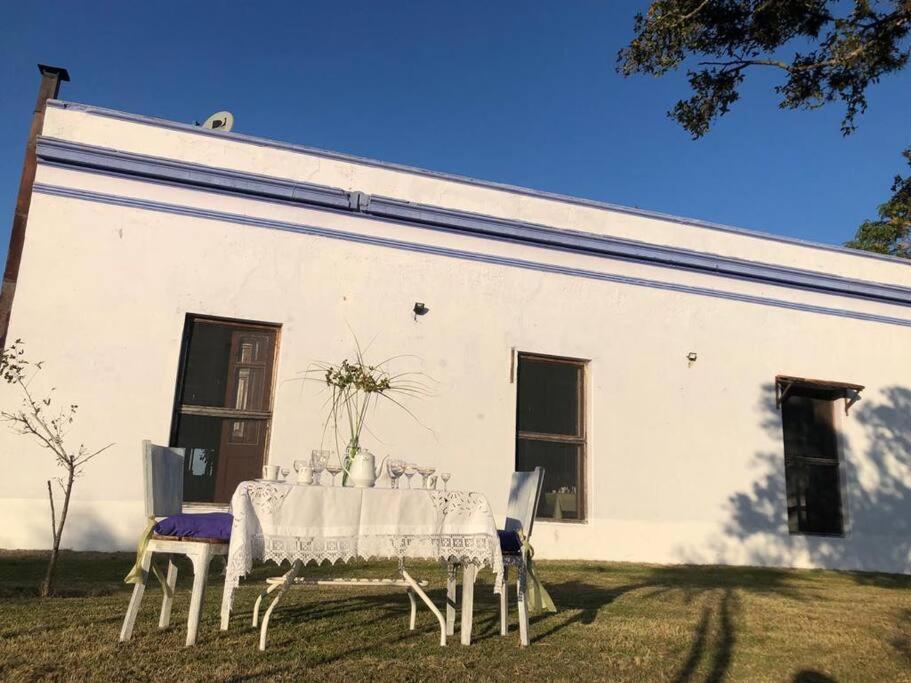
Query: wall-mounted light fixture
[
  {"x": 419, "y": 309},
  {"x": 691, "y": 357}
]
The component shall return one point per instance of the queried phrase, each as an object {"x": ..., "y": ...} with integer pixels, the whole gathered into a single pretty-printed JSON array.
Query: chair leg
[
  {"x": 451, "y": 598},
  {"x": 523, "y": 605},
  {"x": 200, "y": 557},
  {"x": 168, "y": 598},
  {"x": 414, "y": 610},
  {"x": 504, "y": 603},
  {"x": 225, "y": 610},
  {"x": 469, "y": 572},
  {"x": 126, "y": 631}
]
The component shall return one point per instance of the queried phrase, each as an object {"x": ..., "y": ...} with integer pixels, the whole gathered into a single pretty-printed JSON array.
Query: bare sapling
[{"x": 48, "y": 423}]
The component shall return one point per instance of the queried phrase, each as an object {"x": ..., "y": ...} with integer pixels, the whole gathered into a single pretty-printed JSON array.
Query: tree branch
[
  {"x": 37, "y": 415},
  {"x": 80, "y": 461},
  {"x": 739, "y": 64},
  {"x": 692, "y": 13},
  {"x": 29, "y": 428}
]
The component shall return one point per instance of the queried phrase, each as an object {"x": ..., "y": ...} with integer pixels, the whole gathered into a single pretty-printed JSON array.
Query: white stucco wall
[{"x": 685, "y": 462}]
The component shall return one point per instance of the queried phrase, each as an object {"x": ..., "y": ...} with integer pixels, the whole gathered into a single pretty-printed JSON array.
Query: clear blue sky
[{"x": 523, "y": 93}]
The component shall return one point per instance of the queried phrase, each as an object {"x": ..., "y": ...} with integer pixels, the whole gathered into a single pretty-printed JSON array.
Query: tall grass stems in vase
[{"x": 356, "y": 386}]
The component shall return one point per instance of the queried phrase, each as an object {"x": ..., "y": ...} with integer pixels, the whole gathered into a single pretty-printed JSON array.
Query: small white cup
[
  {"x": 270, "y": 472},
  {"x": 305, "y": 475}
]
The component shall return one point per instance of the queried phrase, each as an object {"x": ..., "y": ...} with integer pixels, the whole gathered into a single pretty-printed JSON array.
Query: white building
[{"x": 168, "y": 271}]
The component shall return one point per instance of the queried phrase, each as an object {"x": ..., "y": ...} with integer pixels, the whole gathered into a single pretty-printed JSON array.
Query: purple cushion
[
  {"x": 214, "y": 525},
  {"x": 509, "y": 541}
]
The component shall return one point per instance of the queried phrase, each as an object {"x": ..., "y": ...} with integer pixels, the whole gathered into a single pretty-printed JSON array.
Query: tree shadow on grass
[
  {"x": 812, "y": 676},
  {"x": 718, "y": 588},
  {"x": 720, "y": 656}
]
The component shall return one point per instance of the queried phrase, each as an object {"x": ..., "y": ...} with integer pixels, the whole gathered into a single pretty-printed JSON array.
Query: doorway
[{"x": 223, "y": 410}]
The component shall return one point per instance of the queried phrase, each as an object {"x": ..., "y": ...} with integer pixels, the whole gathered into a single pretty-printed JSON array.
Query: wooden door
[{"x": 242, "y": 447}]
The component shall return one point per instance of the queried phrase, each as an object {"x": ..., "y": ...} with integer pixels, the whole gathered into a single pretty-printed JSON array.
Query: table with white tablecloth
[{"x": 282, "y": 521}]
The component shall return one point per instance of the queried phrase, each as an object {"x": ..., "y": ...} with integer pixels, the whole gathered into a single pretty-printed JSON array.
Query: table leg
[
  {"x": 227, "y": 596},
  {"x": 296, "y": 567},
  {"x": 414, "y": 610},
  {"x": 265, "y": 593},
  {"x": 427, "y": 601},
  {"x": 469, "y": 573}
]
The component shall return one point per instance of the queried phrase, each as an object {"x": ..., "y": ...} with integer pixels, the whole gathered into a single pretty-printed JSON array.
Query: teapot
[{"x": 363, "y": 471}]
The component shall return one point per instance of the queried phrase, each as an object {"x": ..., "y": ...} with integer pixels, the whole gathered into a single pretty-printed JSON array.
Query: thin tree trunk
[{"x": 47, "y": 587}]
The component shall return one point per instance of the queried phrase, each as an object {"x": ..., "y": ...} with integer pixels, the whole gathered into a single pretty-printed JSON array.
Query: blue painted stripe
[
  {"x": 457, "y": 253},
  {"x": 124, "y": 164},
  {"x": 465, "y": 180},
  {"x": 182, "y": 173}
]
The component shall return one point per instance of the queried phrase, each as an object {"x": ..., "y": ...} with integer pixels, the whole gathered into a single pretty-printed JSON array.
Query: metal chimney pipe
[{"x": 51, "y": 77}]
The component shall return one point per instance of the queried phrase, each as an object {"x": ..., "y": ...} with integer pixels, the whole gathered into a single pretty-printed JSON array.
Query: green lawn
[{"x": 624, "y": 622}]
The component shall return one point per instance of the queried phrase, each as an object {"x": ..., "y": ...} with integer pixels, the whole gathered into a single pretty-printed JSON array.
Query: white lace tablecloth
[{"x": 281, "y": 521}]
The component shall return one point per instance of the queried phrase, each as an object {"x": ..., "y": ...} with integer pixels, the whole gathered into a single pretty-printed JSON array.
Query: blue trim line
[
  {"x": 464, "y": 180},
  {"x": 455, "y": 253},
  {"x": 178, "y": 173}
]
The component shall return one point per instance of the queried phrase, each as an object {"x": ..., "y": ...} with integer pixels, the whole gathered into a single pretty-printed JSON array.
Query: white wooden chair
[
  {"x": 524, "y": 494},
  {"x": 163, "y": 480}
]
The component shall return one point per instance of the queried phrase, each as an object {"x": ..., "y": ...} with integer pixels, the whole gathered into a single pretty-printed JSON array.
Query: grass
[{"x": 624, "y": 622}]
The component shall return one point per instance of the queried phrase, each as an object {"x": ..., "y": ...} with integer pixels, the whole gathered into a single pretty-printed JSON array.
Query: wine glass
[
  {"x": 410, "y": 470},
  {"x": 318, "y": 461},
  {"x": 425, "y": 471},
  {"x": 395, "y": 468},
  {"x": 445, "y": 477},
  {"x": 334, "y": 471}
]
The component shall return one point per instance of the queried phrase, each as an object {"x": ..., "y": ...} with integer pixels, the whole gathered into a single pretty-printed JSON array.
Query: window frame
[
  {"x": 179, "y": 408},
  {"x": 803, "y": 460},
  {"x": 580, "y": 440}
]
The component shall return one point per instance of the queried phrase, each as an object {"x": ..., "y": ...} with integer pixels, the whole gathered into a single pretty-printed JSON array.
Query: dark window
[
  {"x": 811, "y": 460},
  {"x": 224, "y": 405},
  {"x": 551, "y": 431}
]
